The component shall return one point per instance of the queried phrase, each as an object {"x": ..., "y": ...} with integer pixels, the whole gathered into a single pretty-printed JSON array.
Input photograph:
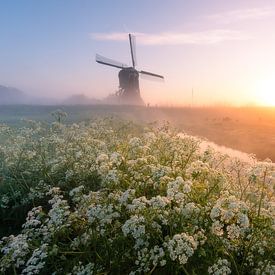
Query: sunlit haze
[{"x": 223, "y": 51}]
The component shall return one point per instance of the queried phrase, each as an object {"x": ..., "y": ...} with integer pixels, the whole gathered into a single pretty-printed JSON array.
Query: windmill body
[{"x": 129, "y": 92}]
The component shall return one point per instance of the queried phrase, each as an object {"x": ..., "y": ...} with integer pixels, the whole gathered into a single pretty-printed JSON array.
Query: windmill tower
[{"x": 129, "y": 92}]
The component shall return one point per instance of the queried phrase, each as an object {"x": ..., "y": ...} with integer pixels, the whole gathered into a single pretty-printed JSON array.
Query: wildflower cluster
[{"x": 110, "y": 197}]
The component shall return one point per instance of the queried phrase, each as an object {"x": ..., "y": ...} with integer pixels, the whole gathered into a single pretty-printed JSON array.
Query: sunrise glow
[{"x": 265, "y": 91}]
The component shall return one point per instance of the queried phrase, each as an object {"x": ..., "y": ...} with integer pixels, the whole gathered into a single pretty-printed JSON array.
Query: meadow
[
  {"x": 248, "y": 129},
  {"x": 106, "y": 190}
]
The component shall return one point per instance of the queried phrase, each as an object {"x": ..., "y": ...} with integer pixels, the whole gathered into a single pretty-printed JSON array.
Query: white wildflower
[
  {"x": 135, "y": 142},
  {"x": 177, "y": 189},
  {"x": 102, "y": 216},
  {"x": 33, "y": 219},
  {"x": 138, "y": 204},
  {"x": 134, "y": 226},
  {"x": 127, "y": 195},
  {"x": 222, "y": 267},
  {"x": 181, "y": 247},
  {"x": 37, "y": 261},
  {"x": 116, "y": 159},
  {"x": 17, "y": 247},
  {"x": 84, "y": 269},
  {"x": 230, "y": 214}
]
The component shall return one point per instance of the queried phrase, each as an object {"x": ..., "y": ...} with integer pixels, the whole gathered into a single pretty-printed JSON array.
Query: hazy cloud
[
  {"x": 243, "y": 14},
  {"x": 176, "y": 38}
]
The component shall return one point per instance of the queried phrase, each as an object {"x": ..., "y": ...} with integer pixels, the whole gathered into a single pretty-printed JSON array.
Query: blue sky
[{"x": 217, "y": 47}]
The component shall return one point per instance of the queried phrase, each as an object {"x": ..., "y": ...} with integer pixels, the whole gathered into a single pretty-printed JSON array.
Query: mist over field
[{"x": 247, "y": 129}]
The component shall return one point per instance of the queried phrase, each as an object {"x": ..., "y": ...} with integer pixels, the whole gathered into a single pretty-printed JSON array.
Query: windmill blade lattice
[
  {"x": 109, "y": 62},
  {"x": 151, "y": 74},
  {"x": 132, "y": 40}
]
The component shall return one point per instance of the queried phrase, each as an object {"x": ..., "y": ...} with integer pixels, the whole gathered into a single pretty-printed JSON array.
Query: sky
[{"x": 221, "y": 50}]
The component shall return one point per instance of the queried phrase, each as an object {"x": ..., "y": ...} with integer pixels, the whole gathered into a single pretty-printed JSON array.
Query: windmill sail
[
  {"x": 132, "y": 40},
  {"x": 151, "y": 74},
  {"x": 109, "y": 62}
]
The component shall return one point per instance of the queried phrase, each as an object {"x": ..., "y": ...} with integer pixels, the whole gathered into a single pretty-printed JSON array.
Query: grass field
[{"x": 251, "y": 130}]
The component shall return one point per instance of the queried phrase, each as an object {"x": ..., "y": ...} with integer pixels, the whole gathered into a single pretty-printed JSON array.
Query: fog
[{"x": 246, "y": 129}]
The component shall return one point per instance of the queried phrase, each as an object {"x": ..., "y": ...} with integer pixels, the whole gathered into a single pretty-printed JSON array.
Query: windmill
[{"x": 129, "y": 92}]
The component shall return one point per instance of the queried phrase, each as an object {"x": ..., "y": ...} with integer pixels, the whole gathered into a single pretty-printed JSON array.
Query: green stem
[
  {"x": 185, "y": 271},
  {"x": 262, "y": 194},
  {"x": 72, "y": 252},
  {"x": 14, "y": 270},
  {"x": 232, "y": 259}
]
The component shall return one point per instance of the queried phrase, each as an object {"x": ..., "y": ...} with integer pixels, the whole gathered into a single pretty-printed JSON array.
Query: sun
[{"x": 265, "y": 91}]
